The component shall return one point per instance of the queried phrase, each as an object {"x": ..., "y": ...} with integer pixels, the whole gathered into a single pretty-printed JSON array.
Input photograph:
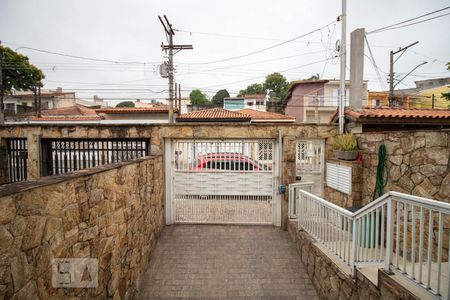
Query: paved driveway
[{"x": 215, "y": 261}]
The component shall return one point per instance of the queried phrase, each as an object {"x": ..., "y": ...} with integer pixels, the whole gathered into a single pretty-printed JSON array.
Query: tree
[
  {"x": 125, "y": 104},
  {"x": 255, "y": 88},
  {"x": 197, "y": 97},
  {"x": 218, "y": 97},
  {"x": 17, "y": 72},
  {"x": 447, "y": 95},
  {"x": 277, "y": 86}
]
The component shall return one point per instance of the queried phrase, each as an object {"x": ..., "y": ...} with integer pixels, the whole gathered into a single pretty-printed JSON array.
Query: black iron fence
[
  {"x": 17, "y": 149},
  {"x": 67, "y": 155}
]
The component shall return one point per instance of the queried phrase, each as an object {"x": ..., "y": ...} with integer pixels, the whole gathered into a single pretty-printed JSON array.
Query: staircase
[{"x": 406, "y": 235}]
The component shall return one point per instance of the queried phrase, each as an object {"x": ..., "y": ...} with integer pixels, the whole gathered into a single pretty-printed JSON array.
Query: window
[
  {"x": 265, "y": 151},
  {"x": 336, "y": 97},
  {"x": 376, "y": 102}
]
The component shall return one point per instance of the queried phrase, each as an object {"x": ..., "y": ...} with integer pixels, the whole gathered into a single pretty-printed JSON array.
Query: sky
[{"x": 128, "y": 36}]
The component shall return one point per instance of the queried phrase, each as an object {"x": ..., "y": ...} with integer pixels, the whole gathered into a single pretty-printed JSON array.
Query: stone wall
[
  {"x": 333, "y": 283},
  {"x": 417, "y": 163},
  {"x": 343, "y": 199},
  {"x": 290, "y": 133},
  {"x": 113, "y": 213}
]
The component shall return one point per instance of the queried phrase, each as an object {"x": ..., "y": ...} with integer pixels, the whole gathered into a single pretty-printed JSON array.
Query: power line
[
  {"x": 264, "y": 49},
  {"x": 374, "y": 63},
  {"x": 76, "y": 56},
  {"x": 409, "y": 20},
  {"x": 256, "y": 77},
  {"x": 418, "y": 22}
]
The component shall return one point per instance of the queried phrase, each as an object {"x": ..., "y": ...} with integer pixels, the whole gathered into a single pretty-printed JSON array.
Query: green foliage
[
  {"x": 277, "y": 86},
  {"x": 197, "y": 97},
  {"x": 314, "y": 77},
  {"x": 125, "y": 104},
  {"x": 346, "y": 142},
  {"x": 218, "y": 97},
  {"x": 253, "y": 89},
  {"x": 17, "y": 72}
]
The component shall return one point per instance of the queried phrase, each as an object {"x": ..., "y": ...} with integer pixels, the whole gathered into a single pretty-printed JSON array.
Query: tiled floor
[{"x": 220, "y": 261}]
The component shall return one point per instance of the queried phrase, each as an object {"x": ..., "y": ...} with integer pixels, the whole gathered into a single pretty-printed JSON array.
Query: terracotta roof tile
[
  {"x": 213, "y": 115},
  {"x": 70, "y": 111},
  {"x": 395, "y": 114},
  {"x": 386, "y": 112},
  {"x": 70, "y": 118},
  {"x": 130, "y": 110},
  {"x": 266, "y": 116}
]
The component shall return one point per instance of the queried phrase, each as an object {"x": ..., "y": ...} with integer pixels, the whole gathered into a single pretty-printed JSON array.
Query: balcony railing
[{"x": 405, "y": 234}]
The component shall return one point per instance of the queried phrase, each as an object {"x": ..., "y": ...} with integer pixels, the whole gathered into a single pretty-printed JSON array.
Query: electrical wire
[
  {"x": 374, "y": 63},
  {"x": 75, "y": 56},
  {"x": 264, "y": 49},
  {"x": 389, "y": 27}
]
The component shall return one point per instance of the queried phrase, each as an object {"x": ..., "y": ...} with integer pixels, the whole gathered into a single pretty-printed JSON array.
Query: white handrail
[{"x": 398, "y": 232}]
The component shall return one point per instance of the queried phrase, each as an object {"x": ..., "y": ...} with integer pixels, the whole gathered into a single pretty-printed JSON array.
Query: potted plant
[{"x": 345, "y": 146}]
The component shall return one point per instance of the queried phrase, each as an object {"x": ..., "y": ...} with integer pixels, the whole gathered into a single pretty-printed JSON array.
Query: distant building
[
  {"x": 256, "y": 102},
  {"x": 381, "y": 99},
  {"x": 247, "y": 115},
  {"x": 23, "y": 101},
  {"x": 20, "y": 104},
  {"x": 315, "y": 101},
  {"x": 422, "y": 95},
  {"x": 149, "y": 114}
]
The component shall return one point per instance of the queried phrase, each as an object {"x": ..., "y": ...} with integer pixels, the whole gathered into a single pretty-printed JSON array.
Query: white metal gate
[
  {"x": 310, "y": 164},
  {"x": 228, "y": 181}
]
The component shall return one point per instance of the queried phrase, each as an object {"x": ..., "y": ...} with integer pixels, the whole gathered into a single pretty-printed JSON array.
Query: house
[
  {"x": 393, "y": 119},
  {"x": 419, "y": 97},
  {"x": 19, "y": 106},
  {"x": 70, "y": 114},
  {"x": 157, "y": 113},
  {"x": 23, "y": 101},
  {"x": 255, "y": 102},
  {"x": 379, "y": 99},
  {"x": 242, "y": 116},
  {"x": 315, "y": 101}
]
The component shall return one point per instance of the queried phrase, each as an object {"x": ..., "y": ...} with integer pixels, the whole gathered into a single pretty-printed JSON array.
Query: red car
[{"x": 229, "y": 161}]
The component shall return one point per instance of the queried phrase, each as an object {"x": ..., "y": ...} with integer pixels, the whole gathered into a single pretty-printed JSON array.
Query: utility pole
[
  {"x": 39, "y": 99},
  {"x": 179, "y": 98},
  {"x": 176, "y": 95},
  {"x": 2, "y": 105},
  {"x": 170, "y": 49},
  {"x": 391, "y": 72},
  {"x": 342, "y": 55}
]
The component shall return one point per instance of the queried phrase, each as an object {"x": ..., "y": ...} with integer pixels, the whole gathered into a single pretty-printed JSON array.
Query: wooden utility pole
[{"x": 170, "y": 49}]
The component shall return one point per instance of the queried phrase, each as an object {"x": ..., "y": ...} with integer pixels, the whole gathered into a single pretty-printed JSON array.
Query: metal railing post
[
  {"x": 354, "y": 247},
  {"x": 389, "y": 236},
  {"x": 300, "y": 205}
]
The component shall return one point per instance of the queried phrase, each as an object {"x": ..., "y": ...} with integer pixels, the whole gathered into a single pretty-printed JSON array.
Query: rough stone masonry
[{"x": 112, "y": 213}]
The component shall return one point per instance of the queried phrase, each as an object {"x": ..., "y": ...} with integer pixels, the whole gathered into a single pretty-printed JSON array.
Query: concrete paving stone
[{"x": 225, "y": 262}]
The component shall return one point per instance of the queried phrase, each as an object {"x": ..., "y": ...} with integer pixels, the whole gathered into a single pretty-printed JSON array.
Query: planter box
[
  {"x": 337, "y": 154},
  {"x": 349, "y": 155},
  {"x": 345, "y": 155}
]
